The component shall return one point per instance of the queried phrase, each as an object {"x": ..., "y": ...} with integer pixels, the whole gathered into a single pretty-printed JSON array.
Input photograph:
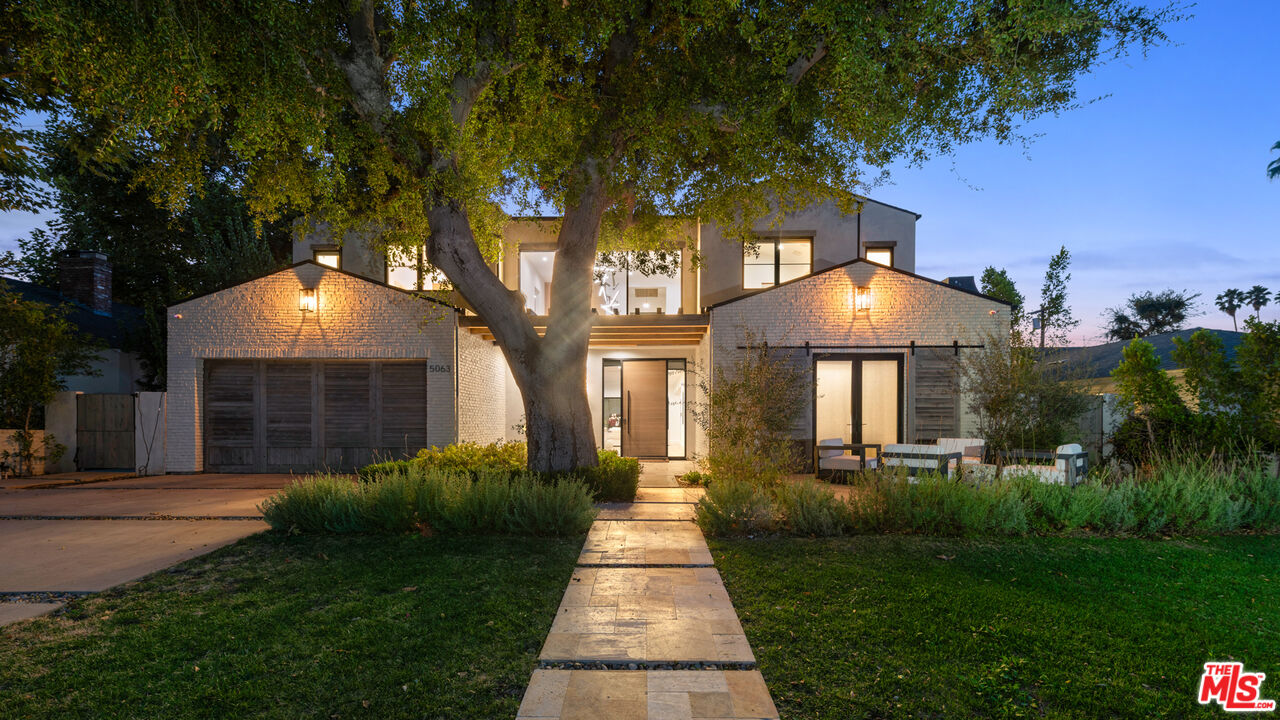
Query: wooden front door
[{"x": 644, "y": 408}]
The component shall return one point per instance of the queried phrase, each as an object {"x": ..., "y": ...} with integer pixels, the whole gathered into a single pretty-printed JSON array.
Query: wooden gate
[{"x": 104, "y": 432}]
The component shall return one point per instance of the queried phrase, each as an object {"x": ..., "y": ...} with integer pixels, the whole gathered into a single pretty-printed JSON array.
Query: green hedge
[
  {"x": 615, "y": 479},
  {"x": 1188, "y": 497},
  {"x": 415, "y": 499}
]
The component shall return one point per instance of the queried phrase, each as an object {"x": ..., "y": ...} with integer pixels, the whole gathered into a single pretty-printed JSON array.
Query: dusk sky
[{"x": 1161, "y": 184}]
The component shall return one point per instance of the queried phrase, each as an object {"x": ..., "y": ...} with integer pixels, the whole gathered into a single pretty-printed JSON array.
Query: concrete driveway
[{"x": 76, "y": 538}]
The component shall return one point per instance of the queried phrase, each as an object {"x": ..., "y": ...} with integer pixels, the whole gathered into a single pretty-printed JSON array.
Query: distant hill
[{"x": 1098, "y": 361}]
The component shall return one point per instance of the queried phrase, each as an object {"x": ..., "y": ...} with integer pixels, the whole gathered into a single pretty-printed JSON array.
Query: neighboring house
[
  {"x": 84, "y": 289},
  {"x": 338, "y": 359},
  {"x": 1093, "y": 365}
]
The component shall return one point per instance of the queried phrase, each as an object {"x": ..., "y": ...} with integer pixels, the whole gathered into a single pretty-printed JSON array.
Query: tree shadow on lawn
[{"x": 286, "y": 627}]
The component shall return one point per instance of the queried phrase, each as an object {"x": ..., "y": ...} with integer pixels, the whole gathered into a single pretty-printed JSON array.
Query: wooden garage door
[{"x": 298, "y": 416}]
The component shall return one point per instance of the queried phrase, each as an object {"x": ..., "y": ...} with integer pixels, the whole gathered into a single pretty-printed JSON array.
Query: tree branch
[{"x": 802, "y": 65}]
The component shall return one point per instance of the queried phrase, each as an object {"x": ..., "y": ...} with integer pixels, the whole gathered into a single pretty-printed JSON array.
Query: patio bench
[
  {"x": 932, "y": 458},
  {"x": 1070, "y": 464}
]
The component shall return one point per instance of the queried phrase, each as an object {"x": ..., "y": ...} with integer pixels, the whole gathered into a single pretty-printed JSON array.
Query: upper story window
[
  {"x": 880, "y": 255},
  {"x": 776, "y": 261},
  {"x": 407, "y": 270},
  {"x": 327, "y": 255},
  {"x": 621, "y": 285}
]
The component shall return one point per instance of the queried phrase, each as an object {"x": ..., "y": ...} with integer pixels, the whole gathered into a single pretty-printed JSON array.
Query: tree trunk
[{"x": 550, "y": 371}]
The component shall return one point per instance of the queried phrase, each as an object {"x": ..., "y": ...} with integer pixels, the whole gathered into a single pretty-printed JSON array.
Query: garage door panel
[
  {"x": 299, "y": 416},
  {"x": 404, "y": 407},
  {"x": 288, "y": 405}
]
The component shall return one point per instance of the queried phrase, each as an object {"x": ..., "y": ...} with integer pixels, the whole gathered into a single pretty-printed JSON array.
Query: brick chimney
[{"x": 85, "y": 277}]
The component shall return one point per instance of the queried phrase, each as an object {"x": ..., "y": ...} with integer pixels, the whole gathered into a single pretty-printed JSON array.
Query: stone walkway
[{"x": 646, "y": 629}]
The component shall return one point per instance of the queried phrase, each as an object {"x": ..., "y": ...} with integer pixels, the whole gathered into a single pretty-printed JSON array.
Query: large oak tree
[{"x": 425, "y": 118}]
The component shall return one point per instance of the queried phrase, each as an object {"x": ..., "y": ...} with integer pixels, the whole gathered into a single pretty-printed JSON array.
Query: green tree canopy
[
  {"x": 1056, "y": 319},
  {"x": 1230, "y": 301},
  {"x": 998, "y": 284},
  {"x": 423, "y": 119},
  {"x": 39, "y": 348},
  {"x": 1150, "y": 313}
]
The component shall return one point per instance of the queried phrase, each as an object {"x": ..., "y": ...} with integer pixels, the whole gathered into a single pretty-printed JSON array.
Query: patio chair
[
  {"x": 970, "y": 449},
  {"x": 1070, "y": 465},
  {"x": 834, "y": 460}
]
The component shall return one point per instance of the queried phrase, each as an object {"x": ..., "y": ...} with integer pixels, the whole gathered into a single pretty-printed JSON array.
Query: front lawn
[
  {"x": 292, "y": 627},
  {"x": 910, "y": 626}
]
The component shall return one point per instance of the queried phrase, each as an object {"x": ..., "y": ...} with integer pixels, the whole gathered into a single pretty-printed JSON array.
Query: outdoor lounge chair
[
  {"x": 930, "y": 458},
  {"x": 832, "y": 460},
  {"x": 1071, "y": 464}
]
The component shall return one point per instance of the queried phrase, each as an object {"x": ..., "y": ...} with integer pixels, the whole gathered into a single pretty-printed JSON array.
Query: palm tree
[
  {"x": 1257, "y": 297},
  {"x": 1229, "y": 302},
  {"x": 1273, "y": 167}
]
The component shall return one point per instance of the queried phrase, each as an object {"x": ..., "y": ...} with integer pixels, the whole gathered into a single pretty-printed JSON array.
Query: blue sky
[{"x": 1160, "y": 184}]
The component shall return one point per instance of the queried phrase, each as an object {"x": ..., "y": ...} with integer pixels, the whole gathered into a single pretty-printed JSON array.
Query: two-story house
[{"x": 340, "y": 359}]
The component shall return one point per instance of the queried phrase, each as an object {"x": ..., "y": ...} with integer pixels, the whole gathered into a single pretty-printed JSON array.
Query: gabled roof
[
  {"x": 878, "y": 266},
  {"x": 1098, "y": 361},
  {"x": 348, "y": 273},
  {"x": 113, "y": 330}
]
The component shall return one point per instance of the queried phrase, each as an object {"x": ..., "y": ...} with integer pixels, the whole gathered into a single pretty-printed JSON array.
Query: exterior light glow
[
  {"x": 307, "y": 300},
  {"x": 861, "y": 298}
]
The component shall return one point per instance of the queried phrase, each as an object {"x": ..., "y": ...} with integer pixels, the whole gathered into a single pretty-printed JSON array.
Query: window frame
[
  {"x": 777, "y": 241},
  {"x": 892, "y": 250},
  {"x": 318, "y": 250}
]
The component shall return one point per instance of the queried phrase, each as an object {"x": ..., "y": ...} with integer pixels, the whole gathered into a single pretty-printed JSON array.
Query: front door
[
  {"x": 644, "y": 408},
  {"x": 858, "y": 400}
]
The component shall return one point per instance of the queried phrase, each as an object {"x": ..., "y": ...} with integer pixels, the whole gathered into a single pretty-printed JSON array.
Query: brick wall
[
  {"x": 482, "y": 392},
  {"x": 356, "y": 319},
  {"x": 819, "y": 309}
]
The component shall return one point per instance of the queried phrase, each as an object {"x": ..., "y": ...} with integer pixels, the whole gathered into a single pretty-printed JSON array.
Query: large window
[
  {"x": 616, "y": 290},
  {"x": 407, "y": 270},
  {"x": 776, "y": 261}
]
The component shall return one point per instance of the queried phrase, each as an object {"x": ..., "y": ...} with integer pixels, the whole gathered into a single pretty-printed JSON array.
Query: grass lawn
[
  {"x": 906, "y": 626},
  {"x": 292, "y": 627}
]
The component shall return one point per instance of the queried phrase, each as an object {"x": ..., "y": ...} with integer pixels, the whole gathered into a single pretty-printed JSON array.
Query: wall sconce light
[
  {"x": 861, "y": 298},
  {"x": 308, "y": 300}
]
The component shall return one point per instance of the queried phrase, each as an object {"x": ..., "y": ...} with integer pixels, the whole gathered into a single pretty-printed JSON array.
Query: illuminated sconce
[
  {"x": 861, "y": 298},
  {"x": 308, "y": 300}
]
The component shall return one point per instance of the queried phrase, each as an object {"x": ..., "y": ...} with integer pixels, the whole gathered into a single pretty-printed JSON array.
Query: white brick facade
[
  {"x": 482, "y": 390},
  {"x": 356, "y": 319},
  {"x": 819, "y": 310}
]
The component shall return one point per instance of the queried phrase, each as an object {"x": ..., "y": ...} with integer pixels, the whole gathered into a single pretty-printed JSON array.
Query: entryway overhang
[{"x": 621, "y": 331}]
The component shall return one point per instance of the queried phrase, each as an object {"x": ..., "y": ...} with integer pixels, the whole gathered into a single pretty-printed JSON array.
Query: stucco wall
[
  {"x": 819, "y": 309},
  {"x": 356, "y": 319},
  {"x": 482, "y": 377},
  {"x": 835, "y": 241}
]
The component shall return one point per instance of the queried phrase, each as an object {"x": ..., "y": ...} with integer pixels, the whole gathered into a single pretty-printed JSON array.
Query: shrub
[
  {"x": 615, "y": 479},
  {"x": 750, "y": 412},
  {"x": 369, "y": 472},
  {"x": 735, "y": 507},
  {"x": 809, "y": 509},
  {"x": 473, "y": 457},
  {"x": 693, "y": 477},
  {"x": 401, "y": 501}
]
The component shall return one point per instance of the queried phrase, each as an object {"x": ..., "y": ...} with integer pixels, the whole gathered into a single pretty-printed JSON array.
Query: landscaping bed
[
  {"x": 911, "y": 626},
  {"x": 280, "y": 626}
]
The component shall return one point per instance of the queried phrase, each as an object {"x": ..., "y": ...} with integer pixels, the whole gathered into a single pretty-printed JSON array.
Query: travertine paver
[
  {"x": 652, "y": 694},
  {"x": 644, "y": 597},
  {"x": 656, "y": 542},
  {"x": 646, "y": 511}
]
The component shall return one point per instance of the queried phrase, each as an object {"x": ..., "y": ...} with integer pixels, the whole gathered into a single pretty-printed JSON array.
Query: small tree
[
  {"x": 1258, "y": 358},
  {"x": 1148, "y": 313},
  {"x": 1229, "y": 301},
  {"x": 750, "y": 411},
  {"x": 38, "y": 348},
  {"x": 1023, "y": 398},
  {"x": 1146, "y": 388},
  {"x": 1056, "y": 319},
  {"x": 998, "y": 284},
  {"x": 1213, "y": 380}
]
